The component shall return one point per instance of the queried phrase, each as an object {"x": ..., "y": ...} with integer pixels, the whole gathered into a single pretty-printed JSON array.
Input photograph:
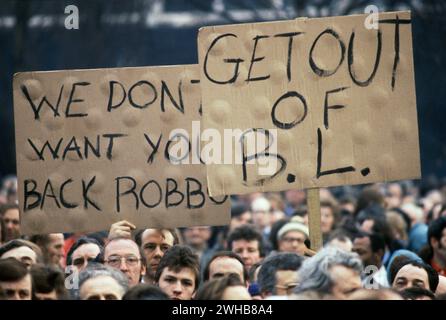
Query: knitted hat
[{"x": 293, "y": 226}]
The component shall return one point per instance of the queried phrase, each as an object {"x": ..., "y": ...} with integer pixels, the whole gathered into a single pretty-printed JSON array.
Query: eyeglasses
[
  {"x": 115, "y": 261},
  {"x": 291, "y": 240},
  {"x": 288, "y": 288},
  {"x": 79, "y": 262}
]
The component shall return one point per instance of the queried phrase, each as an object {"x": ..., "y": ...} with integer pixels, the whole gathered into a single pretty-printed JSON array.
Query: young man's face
[
  {"x": 411, "y": 276},
  {"x": 54, "y": 249},
  {"x": 248, "y": 251},
  {"x": 155, "y": 243},
  {"x": 178, "y": 285},
  {"x": 123, "y": 254},
  {"x": 18, "y": 290},
  {"x": 12, "y": 224}
]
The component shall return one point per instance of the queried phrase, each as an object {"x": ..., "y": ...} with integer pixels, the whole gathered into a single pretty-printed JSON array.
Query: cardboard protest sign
[
  {"x": 339, "y": 97},
  {"x": 96, "y": 146}
]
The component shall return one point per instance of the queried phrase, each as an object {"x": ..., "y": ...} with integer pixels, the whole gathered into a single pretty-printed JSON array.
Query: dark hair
[
  {"x": 248, "y": 233},
  {"x": 252, "y": 271},
  {"x": 2, "y": 230},
  {"x": 377, "y": 242},
  {"x": 368, "y": 196},
  {"x": 273, "y": 233},
  {"x": 215, "y": 288},
  {"x": 17, "y": 243},
  {"x": 179, "y": 257},
  {"x": 7, "y": 206},
  {"x": 46, "y": 279},
  {"x": 436, "y": 229},
  {"x": 145, "y": 292},
  {"x": 228, "y": 254},
  {"x": 277, "y": 262},
  {"x": 80, "y": 242},
  {"x": 238, "y": 209},
  {"x": 401, "y": 261},
  {"x": 414, "y": 293},
  {"x": 42, "y": 240},
  {"x": 12, "y": 270}
]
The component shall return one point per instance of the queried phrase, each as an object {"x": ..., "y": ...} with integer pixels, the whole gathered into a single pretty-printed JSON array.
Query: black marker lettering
[
  {"x": 35, "y": 109},
  {"x": 254, "y": 59},
  {"x": 71, "y": 100},
  {"x": 325, "y": 73},
  {"x": 235, "y": 61}
]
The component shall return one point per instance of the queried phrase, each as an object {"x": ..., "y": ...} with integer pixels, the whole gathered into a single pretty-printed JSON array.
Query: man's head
[
  {"x": 247, "y": 242},
  {"x": 417, "y": 293},
  {"x": 83, "y": 251},
  {"x": 437, "y": 237},
  {"x": 154, "y": 244},
  {"x": 101, "y": 282},
  {"x": 145, "y": 291},
  {"x": 9, "y": 213},
  {"x": 329, "y": 216},
  {"x": 223, "y": 263},
  {"x": 331, "y": 271},
  {"x": 278, "y": 274},
  {"x": 22, "y": 250},
  {"x": 124, "y": 254},
  {"x": 197, "y": 237},
  {"x": 48, "y": 283},
  {"x": 240, "y": 215},
  {"x": 291, "y": 238},
  {"x": 340, "y": 240},
  {"x": 261, "y": 208},
  {"x": 228, "y": 287},
  {"x": 370, "y": 248},
  {"x": 52, "y": 246},
  {"x": 405, "y": 273},
  {"x": 178, "y": 273},
  {"x": 15, "y": 280}
]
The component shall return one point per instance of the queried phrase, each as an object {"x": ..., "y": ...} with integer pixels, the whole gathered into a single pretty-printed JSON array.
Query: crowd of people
[{"x": 380, "y": 241}]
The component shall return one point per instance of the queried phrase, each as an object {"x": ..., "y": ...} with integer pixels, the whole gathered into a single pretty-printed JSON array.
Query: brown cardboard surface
[
  {"x": 82, "y": 193},
  {"x": 371, "y": 132}
]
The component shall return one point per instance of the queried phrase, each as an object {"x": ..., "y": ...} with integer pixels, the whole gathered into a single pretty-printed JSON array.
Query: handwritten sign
[
  {"x": 95, "y": 146},
  {"x": 340, "y": 96}
]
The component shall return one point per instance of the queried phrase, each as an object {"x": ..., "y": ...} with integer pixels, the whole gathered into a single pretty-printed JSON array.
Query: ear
[{"x": 143, "y": 270}]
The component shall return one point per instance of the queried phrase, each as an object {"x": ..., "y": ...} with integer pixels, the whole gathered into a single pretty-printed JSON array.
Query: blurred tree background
[{"x": 118, "y": 33}]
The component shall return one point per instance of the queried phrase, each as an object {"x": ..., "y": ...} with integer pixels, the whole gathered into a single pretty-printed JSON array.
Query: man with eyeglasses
[
  {"x": 292, "y": 237},
  {"x": 124, "y": 254},
  {"x": 9, "y": 213},
  {"x": 153, "y": 243}
]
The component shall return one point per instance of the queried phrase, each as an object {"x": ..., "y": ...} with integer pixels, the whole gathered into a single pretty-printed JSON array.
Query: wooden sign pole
[{"x": 314, "y": 218}]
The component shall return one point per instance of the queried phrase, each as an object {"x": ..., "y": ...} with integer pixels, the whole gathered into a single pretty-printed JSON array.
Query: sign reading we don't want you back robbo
[
  {"x": 95, "y": 146},
  {"x": 341, "y": 97}
]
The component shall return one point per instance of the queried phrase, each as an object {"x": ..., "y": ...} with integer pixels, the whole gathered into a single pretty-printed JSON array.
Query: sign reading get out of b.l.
[{"x": 340, "y": 96}]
